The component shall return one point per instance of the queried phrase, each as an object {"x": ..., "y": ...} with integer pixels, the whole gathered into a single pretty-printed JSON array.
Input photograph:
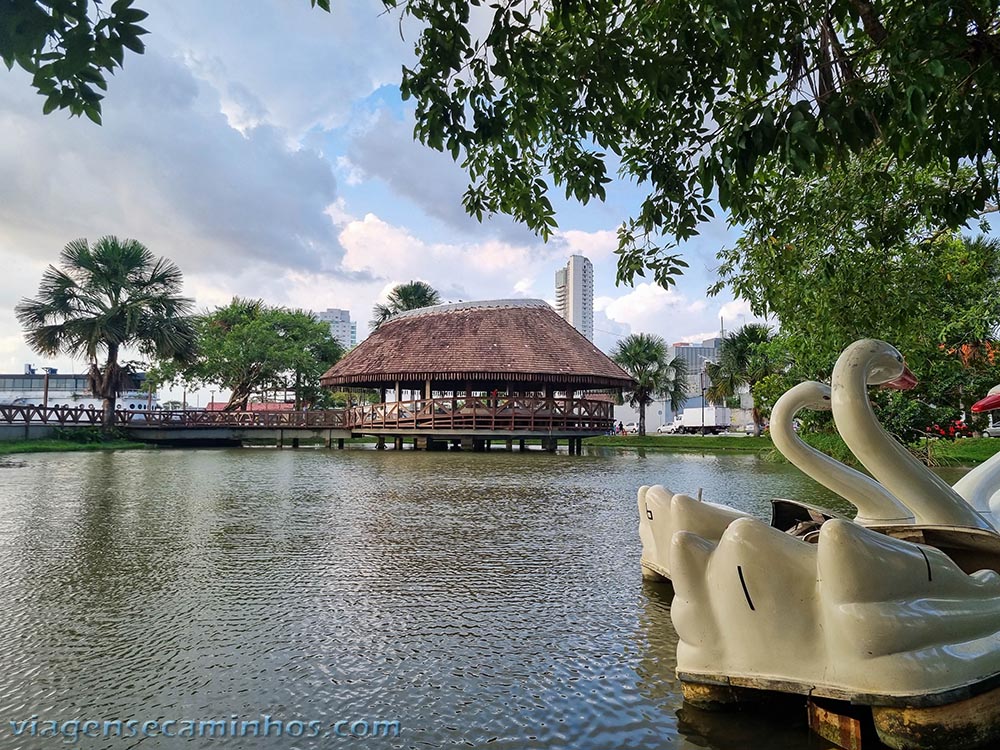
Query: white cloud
[
  {"x": 474, "y": 270},
  {"x": 596, "y": 246},
  {"x": 646, "y": 308},
  {"x": 283, "y": 64}
]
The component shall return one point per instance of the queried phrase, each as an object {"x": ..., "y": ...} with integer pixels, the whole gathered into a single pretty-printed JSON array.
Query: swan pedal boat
[{"x": 897, "y": 610}]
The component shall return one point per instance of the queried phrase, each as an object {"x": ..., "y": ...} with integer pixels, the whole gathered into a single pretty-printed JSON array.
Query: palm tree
[
  {"x": 744, "y": 360},
  {"x": 102, "y": 299},
  {"x": 410, "y": 296},
  {"x": 644, "y": 357}
]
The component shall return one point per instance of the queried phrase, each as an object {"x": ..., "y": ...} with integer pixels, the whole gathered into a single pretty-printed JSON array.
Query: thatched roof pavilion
[
  {"x": 509, "y": 368},
  {"x": 522, "y": 344}
]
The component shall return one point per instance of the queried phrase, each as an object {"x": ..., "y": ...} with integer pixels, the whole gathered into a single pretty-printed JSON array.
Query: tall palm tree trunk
[
  {"x": 109, "y": 387},
  {"x": 642, "y": 417}
]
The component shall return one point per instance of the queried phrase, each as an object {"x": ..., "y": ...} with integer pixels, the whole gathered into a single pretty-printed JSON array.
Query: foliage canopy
[
  {"x": 250, "y": 348},
  {"x": 409, "y": 296},
  {"x": 696, "y": 102}
]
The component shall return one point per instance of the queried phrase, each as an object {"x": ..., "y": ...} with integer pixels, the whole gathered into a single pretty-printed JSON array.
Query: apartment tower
[
  {"x": 342, "y": 328},
  {"x": 575, "y": 295}
]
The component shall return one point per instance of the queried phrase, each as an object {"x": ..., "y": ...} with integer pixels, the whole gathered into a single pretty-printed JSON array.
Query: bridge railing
[
  {"x": 516, "y": 414},
  {"x": 318, "y": 419},
  {"x": 61, "y": 415},
  {"x": 77, "y": 415}
]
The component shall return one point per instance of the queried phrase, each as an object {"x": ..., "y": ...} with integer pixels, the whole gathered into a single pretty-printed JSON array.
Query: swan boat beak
[{"x": 904, "y": 382}]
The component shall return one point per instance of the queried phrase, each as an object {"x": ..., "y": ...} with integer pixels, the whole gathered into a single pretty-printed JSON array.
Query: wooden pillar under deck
[
  {"x": 340, "y": 444},
  {"x": 397, "y": 443}
]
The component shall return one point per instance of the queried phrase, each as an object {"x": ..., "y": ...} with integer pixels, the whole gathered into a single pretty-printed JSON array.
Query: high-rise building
[
  {"x": 696, "y": 355},
  {"x": 575, "y": 295},
  {"x": 342, "y": 327}
]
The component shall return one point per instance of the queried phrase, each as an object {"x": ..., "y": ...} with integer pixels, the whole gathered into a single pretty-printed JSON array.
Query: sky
[{"x": 264, "y": 147}]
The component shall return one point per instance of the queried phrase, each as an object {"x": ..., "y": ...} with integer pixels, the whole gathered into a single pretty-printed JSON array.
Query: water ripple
[{"x": 480, "y": 600}]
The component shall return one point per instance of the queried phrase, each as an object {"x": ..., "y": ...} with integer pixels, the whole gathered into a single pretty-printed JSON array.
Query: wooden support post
[
  {"x": 380, "y": 445},
  {"x": 510, "y": 444},
  {"x": 340, "y": 444},
  {"x": 295, "y": 442},
  {"x": 489, "y": 444},
  {"x": 399, "y": 396},
  {"x": 328, "y": 440},
  {"x": 520, "y": 445},
  {"x": 279, "y": 442},
  {"x": 397, "y": 443},
  {"x": 427, "y": 389}
]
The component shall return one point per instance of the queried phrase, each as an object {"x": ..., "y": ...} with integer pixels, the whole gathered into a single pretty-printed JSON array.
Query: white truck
[{"x": 716, "y": 420}]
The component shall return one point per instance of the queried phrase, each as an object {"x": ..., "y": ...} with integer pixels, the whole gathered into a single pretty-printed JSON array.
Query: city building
[
  {"x": 342, "y": 327},
  {"x": 575, "y": 295},
  {"x": 695, "y": 356}
]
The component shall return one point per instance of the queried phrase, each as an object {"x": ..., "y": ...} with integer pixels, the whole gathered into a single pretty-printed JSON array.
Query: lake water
[{"x": 479, "y": 600}]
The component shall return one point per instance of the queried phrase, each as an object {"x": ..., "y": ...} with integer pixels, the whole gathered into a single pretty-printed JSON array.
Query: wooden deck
[{"x": 474, "y": 415}]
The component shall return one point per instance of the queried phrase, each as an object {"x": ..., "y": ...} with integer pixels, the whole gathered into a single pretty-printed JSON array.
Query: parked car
[
  {"x": 992, "y": 431},
  {"x": 666, "y": 429},
  {"x": 631, "y": 427}
]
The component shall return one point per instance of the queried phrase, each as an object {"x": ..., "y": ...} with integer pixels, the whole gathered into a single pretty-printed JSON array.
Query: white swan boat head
[
  {"x": 931, "y": 500},
  {"x": 899, "y": 614}
]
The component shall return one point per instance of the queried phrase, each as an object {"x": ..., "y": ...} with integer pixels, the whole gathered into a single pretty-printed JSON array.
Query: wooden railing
[
  {"x": 61, "y": 415},
  {"x": 70, "y": 415},
  {"x": 317, "y": 418},
  {"x": 514, "y": 414}
]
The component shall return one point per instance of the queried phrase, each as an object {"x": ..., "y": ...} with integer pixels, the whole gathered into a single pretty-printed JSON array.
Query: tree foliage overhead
[
  {"x": 250, "y": 348},
  {"x": 695, "y": 101},
  {"x": 69, "y": 47},
  {"x": 644, "y": 356},
  {"x": 104, "y": 298}
]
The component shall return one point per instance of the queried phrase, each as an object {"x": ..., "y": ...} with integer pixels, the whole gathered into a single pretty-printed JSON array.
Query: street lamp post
[
  {"x": 702, "y": 378},
  {"x": 45, "y": 394}
]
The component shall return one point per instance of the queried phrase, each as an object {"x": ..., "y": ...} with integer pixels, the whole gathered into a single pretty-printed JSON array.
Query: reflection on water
[{"x": 476, "y": 599}]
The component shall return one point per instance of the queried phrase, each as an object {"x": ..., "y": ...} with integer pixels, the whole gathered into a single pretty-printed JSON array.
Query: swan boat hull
[{"x": 901, "y": 620}]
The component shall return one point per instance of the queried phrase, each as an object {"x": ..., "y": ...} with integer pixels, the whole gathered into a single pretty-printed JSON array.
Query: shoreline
[{"x": 966, "y": 452}]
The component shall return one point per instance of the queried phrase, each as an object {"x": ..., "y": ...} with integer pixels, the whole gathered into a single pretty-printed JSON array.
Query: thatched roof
[{"x": 518, "y": 342}]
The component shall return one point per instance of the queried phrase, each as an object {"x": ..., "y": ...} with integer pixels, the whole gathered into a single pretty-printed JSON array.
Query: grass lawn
[
  {"x": 54, "y": 446},
  {"x": 963, "y": 452},
  {"x": 707, "y": 443}
]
